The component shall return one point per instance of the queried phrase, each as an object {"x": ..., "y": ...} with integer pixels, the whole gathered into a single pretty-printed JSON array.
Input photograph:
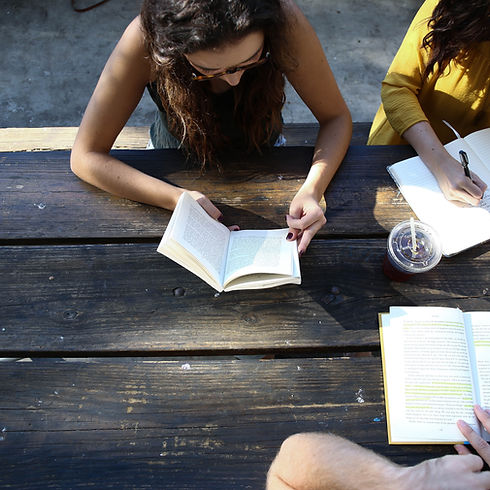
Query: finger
[
  {"x": 234, "y": 228},
  {"x": 306, "y": 238},
  {"x": 294, "y": 231},
  {"x": 309, "y": 218},
  {"x": 471, "y": 461},
  {"x": 483, "y": 416},
  {"x": 465, "y": 429},
  {"x": 294, "y": 223},
  {"x": 479, "y": 445},
  {"x": 471, "y": 192},
  {"x": 210, "y": 208},
  {"x": 461, "y": 204},
  {"x": 292, "y": 234},
  {"x": 461, "y": 449},
  {"x": 477, "y": 181}
]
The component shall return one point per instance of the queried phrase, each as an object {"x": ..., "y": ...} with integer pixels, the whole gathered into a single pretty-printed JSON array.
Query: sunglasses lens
[{"x": 230, "y": 71}]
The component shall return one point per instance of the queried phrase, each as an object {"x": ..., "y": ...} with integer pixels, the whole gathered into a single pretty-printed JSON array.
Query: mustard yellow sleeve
[{"x": 403, "y": 82}]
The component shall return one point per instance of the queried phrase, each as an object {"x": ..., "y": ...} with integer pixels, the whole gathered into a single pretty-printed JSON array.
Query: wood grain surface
[
  {"x": 42, "y": 198},
  {"x": 180, "y": 424},
  {"x": 129, "y": 298}
]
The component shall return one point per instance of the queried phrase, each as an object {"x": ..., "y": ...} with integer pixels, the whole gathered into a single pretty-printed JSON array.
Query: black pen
[{"x": 464, "y": 162}]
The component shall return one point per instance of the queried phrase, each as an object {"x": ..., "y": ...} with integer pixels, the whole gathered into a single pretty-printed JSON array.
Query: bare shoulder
[
  {"x": 294, "y": 15},
  {"x": 301, "y": 35},
  {"x": 133, "y": 38},
  {"x": 130, "y": 56}
]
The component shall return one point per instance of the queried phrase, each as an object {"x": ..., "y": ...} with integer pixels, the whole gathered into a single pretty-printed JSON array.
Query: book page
[
  {"x": 259, "y": 251},
  {"x": 480, "y": 327},
  {"x": 459, "y": 228},
  {"x": 428, "y": 374},
  {"x": 202, "y": 241}
]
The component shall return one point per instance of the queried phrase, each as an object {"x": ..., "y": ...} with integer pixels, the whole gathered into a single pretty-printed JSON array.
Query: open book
[
  {"x": 459, "y": 228},
  {"x": 436, "y": 366},
  {"x": 228, "y": 260}
]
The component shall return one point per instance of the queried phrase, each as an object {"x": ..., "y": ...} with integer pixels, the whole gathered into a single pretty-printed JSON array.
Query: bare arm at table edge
[
  {"x": 313, "y": 80},
  {"x": 118, "y": 91}
]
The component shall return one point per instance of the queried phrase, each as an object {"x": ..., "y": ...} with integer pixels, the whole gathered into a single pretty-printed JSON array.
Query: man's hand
[{"x": 480, "y": 445}]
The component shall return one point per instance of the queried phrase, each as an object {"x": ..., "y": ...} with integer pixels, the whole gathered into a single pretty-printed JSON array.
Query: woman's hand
[
  {"x": 448, "y": 171},
  {"x": 210, "y": 208},
  {"x": 455, "y": 185},
  {"x": 480, "y": 445},
  {"x": 305, "y": 218}
]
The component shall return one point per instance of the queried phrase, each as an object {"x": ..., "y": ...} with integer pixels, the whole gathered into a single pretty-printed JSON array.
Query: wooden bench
[
  {"x": 130, "y": 384},
  {"x": 136, "y": 137}
]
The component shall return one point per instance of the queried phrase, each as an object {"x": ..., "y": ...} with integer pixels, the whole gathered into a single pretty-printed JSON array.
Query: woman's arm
[
  {"x": 400, "y": 95},
  {"x": 314, "y": 82},
  {"x": 115, "y": 97},
  {"x": 448, "y": 171}
]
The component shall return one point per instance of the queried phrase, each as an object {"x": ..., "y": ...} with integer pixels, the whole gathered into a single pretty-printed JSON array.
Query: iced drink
[{"x": 403, "y": 258}]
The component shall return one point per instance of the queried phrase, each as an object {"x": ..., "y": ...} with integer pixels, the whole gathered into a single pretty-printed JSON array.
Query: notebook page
[
  {"x": 476, "y": 148},
  {"x": 459, "y": 228},
  {"x": 480, "y": 143}
]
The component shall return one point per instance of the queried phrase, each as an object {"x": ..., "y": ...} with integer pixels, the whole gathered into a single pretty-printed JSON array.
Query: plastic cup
[{"x": 402, "y": 260}]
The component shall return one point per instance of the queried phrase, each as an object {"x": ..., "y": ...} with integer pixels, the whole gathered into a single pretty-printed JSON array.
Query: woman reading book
[
  {"x": 216, "y": 70},
  {"x": 441, "y": 72}
]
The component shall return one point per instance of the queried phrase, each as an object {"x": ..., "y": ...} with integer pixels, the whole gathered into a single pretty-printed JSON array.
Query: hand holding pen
[{"x": 476, "y": 182}]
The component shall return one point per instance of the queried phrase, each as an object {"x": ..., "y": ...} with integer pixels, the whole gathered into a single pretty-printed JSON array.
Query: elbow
[
  {"x": 297, "y": 461},
  {"x": 79, "y": 161},
  {"x": 76, "y": 162}
]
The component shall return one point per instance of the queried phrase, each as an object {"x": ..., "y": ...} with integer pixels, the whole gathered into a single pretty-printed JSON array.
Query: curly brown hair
[
  {"x": 173, "y": 28},
  {"x": 456, "y": 26}
]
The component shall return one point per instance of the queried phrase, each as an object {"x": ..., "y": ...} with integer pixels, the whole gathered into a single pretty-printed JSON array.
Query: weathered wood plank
[
  {"x": 62, "y": 138},
  {"x": 136, "y": 137},
  {"x": 120, "y": 298},
  {"x": 180, "y": 424},
  {"x": 41, "y": 198}
]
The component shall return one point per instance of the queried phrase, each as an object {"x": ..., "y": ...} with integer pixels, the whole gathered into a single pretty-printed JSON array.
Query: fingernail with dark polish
[
  {"x": 290, "y": 235},
  {"x": 300, "y": 253},
  {"x": 220, "y": 217}
]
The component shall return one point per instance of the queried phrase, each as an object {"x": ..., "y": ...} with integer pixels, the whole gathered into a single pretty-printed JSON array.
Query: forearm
[
  {"x": 115, "y": 177},
  {"x": 331, "y": 145},
  {"x": 428, "y": 146},
  {"x": 316, "y": 461}
]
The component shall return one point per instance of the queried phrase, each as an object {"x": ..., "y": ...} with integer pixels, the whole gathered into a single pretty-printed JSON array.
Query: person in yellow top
[{"x": 441, "y": 72}]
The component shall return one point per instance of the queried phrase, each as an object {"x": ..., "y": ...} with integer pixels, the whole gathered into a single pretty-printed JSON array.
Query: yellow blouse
[{"x": 460, "y": 95}]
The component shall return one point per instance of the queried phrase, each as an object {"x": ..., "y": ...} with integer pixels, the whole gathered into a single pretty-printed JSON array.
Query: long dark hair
[
  {"x": 173, "y": 28},
  {"x": 455, "y": 26}
]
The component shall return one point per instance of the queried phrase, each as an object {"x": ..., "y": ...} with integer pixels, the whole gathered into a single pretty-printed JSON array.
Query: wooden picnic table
[{"x": 134, "y": 373}]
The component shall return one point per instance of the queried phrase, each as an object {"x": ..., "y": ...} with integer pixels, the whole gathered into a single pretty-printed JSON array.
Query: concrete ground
[{"x": 52, "y": 56}]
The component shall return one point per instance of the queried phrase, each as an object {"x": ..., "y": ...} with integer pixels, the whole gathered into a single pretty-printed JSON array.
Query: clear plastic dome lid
[{"x": 422, "y": 257}]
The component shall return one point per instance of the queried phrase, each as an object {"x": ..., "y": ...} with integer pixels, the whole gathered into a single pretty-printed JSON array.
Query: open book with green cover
[
  {"x": 459, "y": 228},
  {"x": 436, "y": 366},
  {"x": 228, "y": 260}
]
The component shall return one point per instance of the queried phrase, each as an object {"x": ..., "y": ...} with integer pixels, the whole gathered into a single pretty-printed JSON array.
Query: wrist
[
  {"x": 172, "y": 197},
  {"x": 437, "y": 161},
  {"x": 311, "y": 190},
  {"x": 412, "y": 477}
]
